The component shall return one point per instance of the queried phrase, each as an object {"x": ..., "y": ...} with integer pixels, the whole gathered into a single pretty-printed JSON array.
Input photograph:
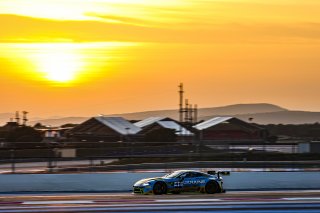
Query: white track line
[
  {"x": 58, "y": 202},
  {"x": 300, "y": 198},
  {"x": 161, "y": 201}
]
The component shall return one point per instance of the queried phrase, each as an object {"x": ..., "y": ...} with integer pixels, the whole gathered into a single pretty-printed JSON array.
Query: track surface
[{"x": 275, "y": 201}]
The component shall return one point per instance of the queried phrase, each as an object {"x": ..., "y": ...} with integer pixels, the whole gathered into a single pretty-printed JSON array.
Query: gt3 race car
[{"x": 182, "y": 181}]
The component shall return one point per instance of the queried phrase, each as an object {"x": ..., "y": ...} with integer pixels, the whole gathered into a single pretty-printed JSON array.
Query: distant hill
[
  {"x": 5, "y": 117},
  {"x": 236, "y": 109},
  {"x": 284, "y": 117},
  {"x": 60, "y": 121},
  {"x": 239, "y": 109},
  {"x": 261, "y": 113}
]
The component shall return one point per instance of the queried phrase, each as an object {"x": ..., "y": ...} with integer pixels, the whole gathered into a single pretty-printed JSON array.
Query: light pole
[
  {"x": 128, "y": 140},
  {"x": 13, "y": 167}
]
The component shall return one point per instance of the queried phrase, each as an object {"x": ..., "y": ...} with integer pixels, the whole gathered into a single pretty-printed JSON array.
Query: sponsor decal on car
[{"x": 194, "y": 181}]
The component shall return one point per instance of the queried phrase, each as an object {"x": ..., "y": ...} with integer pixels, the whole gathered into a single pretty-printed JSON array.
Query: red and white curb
[{"x": 187, "y": 200}]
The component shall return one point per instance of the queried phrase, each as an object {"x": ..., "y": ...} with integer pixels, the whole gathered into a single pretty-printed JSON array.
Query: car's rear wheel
[
  {"x": 212, "y": 187},
  {"x": 159, "y": 188}
]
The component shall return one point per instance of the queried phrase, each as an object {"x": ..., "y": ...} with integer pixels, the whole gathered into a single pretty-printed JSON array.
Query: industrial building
[
  {"x": 53, "y": 134},
  {"x": 155, "y": 123},
  {"x": 12, "y": 125},
  {"x": 229, "y": 129},
  {"x": 6, "y": 129},
  {"x": 105, "y": 129},
  {"x": 218, "y": 129}
]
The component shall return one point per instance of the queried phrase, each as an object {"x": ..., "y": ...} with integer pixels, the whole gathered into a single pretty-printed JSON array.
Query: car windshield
[{"x": 174, "y": 174}]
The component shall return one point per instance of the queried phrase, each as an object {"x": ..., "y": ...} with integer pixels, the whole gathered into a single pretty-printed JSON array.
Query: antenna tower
[
  {"x": 181, "y": 92},
  {"x": 25, "y": 119},
  {"x": 187, "y": 114},
  {"x": 17, "y": 117}
]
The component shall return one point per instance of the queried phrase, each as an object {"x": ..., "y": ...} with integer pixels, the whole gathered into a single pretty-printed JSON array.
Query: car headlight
[{"x": 145, "y": 184}]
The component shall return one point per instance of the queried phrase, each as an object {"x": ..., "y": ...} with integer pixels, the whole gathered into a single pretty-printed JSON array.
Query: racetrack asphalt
[{"x": 240, "y": 201}]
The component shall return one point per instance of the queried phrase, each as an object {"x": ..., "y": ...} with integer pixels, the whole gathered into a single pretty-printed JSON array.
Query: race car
[{"x": 182, "y": 181}]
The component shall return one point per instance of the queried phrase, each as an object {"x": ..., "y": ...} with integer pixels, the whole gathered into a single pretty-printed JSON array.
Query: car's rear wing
[{"x": 219, "y": 173}]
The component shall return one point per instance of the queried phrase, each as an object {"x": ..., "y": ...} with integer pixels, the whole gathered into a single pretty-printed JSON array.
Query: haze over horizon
[
  {"x": 74, "y": 57},
  {"x": 203, "y": 112}
]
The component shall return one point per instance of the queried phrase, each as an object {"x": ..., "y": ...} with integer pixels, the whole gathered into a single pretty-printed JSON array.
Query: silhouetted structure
[
  {"x": 107, "y": 129},
  {"x": 160, "y": 135},
  {"x": 156, "y": 123},
  {"x": 24, "y": 134},
  {"x": 25, "y": 119},
  {"x": 229, "y": 129},
  {"x": 187, "y": 113}
]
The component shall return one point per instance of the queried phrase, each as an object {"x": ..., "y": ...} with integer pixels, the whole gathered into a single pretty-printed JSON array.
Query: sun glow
[
  {"x": 65, "y": 64},
  {"x": 59, "y": 67},
  {"x": 58, "y": 63}
]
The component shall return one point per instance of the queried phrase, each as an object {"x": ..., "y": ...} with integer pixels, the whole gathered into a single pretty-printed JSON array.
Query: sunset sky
[{"x": 82, "y": 58}]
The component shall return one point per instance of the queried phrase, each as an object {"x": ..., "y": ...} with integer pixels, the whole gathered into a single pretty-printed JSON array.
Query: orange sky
[{"x": 82, "y": 58}]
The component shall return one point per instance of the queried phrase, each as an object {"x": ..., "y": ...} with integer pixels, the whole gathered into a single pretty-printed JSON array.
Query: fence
[{"x": 22, "y": 158}]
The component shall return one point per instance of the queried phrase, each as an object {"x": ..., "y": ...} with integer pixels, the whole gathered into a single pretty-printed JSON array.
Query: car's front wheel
[
  {"x": 159, "y": 188},
  {"x": 212, "y": 187}
]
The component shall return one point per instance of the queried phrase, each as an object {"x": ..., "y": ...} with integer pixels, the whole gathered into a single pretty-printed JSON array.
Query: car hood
[{"x": 140, "y": 182}]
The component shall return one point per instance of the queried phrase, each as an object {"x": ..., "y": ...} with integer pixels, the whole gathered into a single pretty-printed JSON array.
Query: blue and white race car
[{"x": 182, "y": 181}]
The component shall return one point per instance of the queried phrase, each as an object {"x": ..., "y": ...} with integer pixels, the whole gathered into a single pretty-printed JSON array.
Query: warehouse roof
[
  {"x": 148, "y": 121},
  {"x": 119, "y": 125},
  {"x": 211, "y": 122},
  {"x": 165, "y": 123},
  {"x": 180, "y": 130}
]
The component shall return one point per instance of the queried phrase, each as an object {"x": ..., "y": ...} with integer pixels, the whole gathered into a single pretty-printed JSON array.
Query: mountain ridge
[{"x": 262, "y": 113}]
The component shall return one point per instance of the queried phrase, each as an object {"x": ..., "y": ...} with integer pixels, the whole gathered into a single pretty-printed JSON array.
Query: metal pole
[
  {"x": 50, "y": 164},
  {"x": 91, "y": 162},
  {"x": 190, "y": 114},
  {"x": 186, "y": 118},
  {"x": 13, "y": 166},
  {"x": 50, "y": 161},
  {"x": 181, "y": 102},
  {"x": 195, "y": 117}
]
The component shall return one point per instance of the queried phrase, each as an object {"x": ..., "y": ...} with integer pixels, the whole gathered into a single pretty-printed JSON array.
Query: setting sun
[
  {"x": 64, "y": 64},
  {"x": 59, "y": 66}
]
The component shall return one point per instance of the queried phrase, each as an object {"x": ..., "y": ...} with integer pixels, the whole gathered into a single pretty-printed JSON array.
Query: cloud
[
  {"x": 19, "y": 28},
  {"x": 120, "y": 19}
]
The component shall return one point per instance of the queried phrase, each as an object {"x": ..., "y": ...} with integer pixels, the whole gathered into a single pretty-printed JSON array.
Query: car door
[
  {"x": 189, "y": 182},
  {"x": 200, "y": 180}
]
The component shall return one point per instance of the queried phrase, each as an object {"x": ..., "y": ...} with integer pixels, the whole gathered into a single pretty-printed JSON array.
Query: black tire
[
  {"x": 159, "y": 188},
  {"x": 212, "y": 187}
]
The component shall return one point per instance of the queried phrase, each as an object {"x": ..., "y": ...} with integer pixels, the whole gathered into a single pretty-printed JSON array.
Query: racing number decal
[{"x": 178, "y": 184}]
